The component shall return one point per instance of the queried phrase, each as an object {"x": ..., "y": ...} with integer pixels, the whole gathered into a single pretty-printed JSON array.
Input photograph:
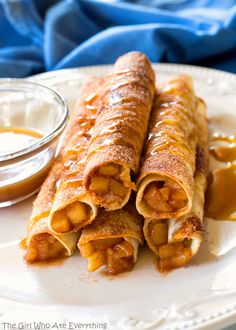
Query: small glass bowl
[{"x": 28, "y": 106}]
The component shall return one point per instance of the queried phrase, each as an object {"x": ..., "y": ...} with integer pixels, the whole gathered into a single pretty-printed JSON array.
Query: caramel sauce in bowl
[
  {"x": 32, "y": 118},
  {"x": 25, "y": 178}
]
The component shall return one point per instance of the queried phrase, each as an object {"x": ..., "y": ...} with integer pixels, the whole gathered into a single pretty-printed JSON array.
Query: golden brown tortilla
[{"x": 120, "y": 131}]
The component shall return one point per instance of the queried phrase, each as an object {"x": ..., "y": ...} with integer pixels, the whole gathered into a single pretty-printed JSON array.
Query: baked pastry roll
[
  {"x": 166, "y": 180},
  {"x": 62, "y": 205},
  {"x": 72, "y": 207},
  {"x": 120, "y": 130},
  {"x": 41, "y": 243},
  {"x": 112, "y": 240},
  {"x": 175, "y": 241}
]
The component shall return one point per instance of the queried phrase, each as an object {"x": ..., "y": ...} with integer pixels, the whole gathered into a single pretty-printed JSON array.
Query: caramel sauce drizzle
[
  {"x": 112, "y": 122},
  {"x": 74, "y": 156},
  {"x": 171, "y": 131},
  {"x": 221, "y": 194}
]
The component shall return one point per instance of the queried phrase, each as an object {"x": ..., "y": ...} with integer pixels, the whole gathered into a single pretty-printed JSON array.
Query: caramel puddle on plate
[
  {"x": 221, "y": 193},
  {"x": 225, "y": 153}
]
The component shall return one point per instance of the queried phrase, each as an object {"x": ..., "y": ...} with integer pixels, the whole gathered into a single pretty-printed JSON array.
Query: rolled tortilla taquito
[
  {"x": 120, "y": 131},
  {"x": 73, "y": 208},
  {"x": 176, "y": 241},
  {"x": 112, "y": 240},
  {"x": 41, "y": 243},
  {"x": 166, "y": 180}
]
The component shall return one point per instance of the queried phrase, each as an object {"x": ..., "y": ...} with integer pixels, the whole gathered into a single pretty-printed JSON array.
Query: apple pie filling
[
  {"x": 116, "y": 254},
  {"x": 165, "y": 196},
  {"x": 44, "y": 247},
  {"x": 108, "y": 186},
  {"x": 72, "y": 216}
]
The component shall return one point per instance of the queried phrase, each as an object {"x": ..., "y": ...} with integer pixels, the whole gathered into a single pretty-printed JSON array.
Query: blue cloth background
[{"x": 43, "y": 35}]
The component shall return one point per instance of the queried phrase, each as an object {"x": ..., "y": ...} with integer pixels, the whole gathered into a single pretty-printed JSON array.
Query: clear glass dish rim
[{"x": 47, "y": 139}]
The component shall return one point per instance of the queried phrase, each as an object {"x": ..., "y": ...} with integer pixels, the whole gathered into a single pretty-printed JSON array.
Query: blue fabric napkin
[{"x": 43, "y": 35}]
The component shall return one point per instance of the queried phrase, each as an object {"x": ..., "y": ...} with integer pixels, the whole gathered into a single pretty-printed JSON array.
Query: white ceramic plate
[{"x": 199, "y": 296}]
